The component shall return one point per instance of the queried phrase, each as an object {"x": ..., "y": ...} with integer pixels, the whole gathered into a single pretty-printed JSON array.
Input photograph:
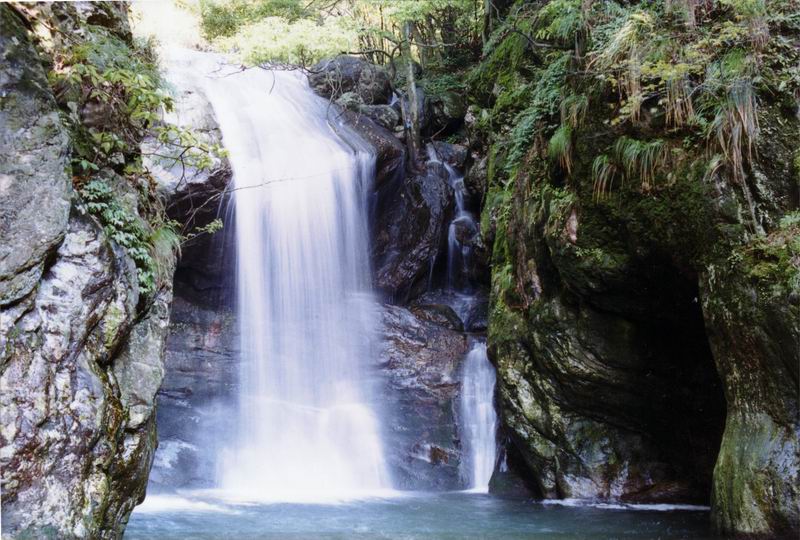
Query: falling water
[
  {"x": 463, "y": 228},
  {"x": 478, "y": 417},
  {"x": 306, "y": 429}
]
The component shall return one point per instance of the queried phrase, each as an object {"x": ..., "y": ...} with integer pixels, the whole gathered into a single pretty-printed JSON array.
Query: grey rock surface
[
  {"x": 81, "y": 352},
  {"x": 35, "y": 186},
  {"x": 420, "y": 361}
]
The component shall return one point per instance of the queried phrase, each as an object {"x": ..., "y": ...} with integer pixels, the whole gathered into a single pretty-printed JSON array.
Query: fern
[
  {"x": 561, "y": 20},
  {"x": 544, "y": 104}
]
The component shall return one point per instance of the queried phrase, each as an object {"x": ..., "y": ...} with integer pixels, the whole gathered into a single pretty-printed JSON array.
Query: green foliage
[
  {"x": 225, "y": 18},
  {"x": 544, "y": 105},
  {"x": 302, "y": 32},
  {"x": 125, "y": 228},
  {"x": 301, "y": 42},
  {"x": 113, "y": 94},
  {"x": 210, "y": 228}
]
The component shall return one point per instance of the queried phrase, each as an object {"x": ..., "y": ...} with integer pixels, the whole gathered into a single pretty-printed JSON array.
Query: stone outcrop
[
  {"x": 81, "y": 349},
  {"x": 35, "y": 186},
  {"x": 420, "y": 360},
  {"x": 646, "y": 339}
]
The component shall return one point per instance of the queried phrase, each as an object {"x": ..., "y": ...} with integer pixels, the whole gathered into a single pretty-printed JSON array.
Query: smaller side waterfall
[
  {"x": 462, "y": 231},
  {"x": 478, "y": 418}
]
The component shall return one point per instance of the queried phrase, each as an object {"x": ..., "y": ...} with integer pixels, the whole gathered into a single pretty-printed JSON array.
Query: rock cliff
[{"x": 82, "y": 344}]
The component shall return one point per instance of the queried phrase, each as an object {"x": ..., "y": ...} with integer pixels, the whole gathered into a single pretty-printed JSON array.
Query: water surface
[{"x": 409, "y": 517}]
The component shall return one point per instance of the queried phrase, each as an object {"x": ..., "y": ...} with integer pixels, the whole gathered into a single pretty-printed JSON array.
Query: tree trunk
[{"x": 409, "y": 105}]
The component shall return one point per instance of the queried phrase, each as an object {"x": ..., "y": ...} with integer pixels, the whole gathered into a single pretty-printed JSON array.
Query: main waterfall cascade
[{"x": 307, "y": 428}]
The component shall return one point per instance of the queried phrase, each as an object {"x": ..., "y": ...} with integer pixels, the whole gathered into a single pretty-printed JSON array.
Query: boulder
[
  {"x": 447, "y": 112},
  {"x": 454, "y": 155},
  {"x": 335, "y": 76},
  {"x": 384, "y": 115}
]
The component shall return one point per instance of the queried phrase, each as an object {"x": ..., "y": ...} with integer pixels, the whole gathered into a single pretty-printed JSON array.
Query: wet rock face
[
  {"x": 196, "y": 399},
  {"x": 411, "y": 221},
  {"x": 420, "y": 360},
  {"x": 389, "y": 151}
]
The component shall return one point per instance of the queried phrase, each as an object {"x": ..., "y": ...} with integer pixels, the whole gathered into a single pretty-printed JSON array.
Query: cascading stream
[
  {"x": 307, "y": 428},
  {"x": 478, "y": 417}
]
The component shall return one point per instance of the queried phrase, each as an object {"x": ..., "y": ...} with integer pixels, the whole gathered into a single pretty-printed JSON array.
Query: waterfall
[
  {"x": 478, "y": 418},
  {"x": 307, "y": 429}
]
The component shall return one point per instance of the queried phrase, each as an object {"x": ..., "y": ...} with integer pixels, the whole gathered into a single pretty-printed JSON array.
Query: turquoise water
[{"x": 410, "y": 517}]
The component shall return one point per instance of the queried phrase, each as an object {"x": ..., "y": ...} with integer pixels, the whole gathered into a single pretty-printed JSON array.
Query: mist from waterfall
[{"x": 307, "y": 428}]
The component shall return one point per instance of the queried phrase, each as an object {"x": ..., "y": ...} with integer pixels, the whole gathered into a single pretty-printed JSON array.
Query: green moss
[
  {"x": 773, "y": 261},
  {"x": 499, "y": 68}
]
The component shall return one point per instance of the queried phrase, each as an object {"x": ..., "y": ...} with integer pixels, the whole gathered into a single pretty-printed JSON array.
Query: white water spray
[{"x": 306, "y": 429}]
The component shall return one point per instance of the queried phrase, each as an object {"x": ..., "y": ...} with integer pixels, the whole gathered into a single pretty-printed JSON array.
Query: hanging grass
[
  {"x": 640, "y": 159},
  {"x": 603, "y": 173},
  {"x": 573, "y": 109},
  {"x": 560, "y": 147}
]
